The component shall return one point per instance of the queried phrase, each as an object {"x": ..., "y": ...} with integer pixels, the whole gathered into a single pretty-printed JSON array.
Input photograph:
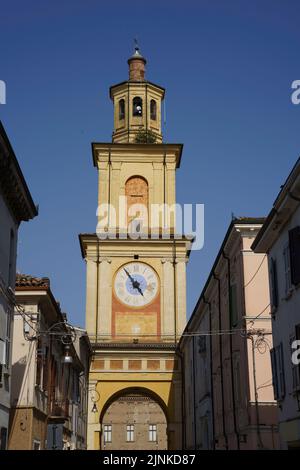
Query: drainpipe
[
  {"x": 221, "y": 359},
  {"x": 231, "y": 357},
  {"x": 260, "y": 442},
  {"x": 194, "y": 394},
  {"x": 183, "y": 433},
  {"x": 211, "y": 373},
  {"x": 97, "y": 291},
  {"x": 175, "y": 290}
]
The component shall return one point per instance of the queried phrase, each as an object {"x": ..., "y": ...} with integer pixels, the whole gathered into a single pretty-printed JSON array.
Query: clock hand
[
  {"x": 130, "y": 277},
  {"x": 135, "y": 284},
  {"x": 139, "y": 289}
]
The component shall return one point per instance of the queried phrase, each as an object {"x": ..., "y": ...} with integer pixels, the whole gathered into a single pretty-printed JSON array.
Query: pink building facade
[
  {"x": 279, "y": 239},
  {"x": 233, "y": 318}
]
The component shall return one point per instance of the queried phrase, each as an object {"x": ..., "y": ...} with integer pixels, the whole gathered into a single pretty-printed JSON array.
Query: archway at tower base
[{"x": 134, "y": 419}]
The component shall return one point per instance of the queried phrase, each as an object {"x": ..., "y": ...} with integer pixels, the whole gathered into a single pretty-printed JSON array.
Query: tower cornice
[
  {"x": 130, "y": 83},
  {"x": 116, "y": 151}
]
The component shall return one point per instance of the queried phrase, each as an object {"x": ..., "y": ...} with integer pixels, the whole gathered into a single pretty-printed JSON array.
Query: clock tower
[{"x": 136, "y": 278}]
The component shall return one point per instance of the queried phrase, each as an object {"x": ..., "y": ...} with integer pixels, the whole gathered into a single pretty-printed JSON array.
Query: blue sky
[{"x": 227, "y": 68}]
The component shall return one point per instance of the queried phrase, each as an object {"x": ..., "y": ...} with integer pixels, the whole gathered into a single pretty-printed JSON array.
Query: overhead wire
[{"x": 252, "y": 278}]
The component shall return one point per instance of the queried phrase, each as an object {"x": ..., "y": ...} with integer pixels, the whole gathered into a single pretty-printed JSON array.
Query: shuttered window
[
  {"x": 39, "y": 363},
  {"x": 295, "y": 367},
  {"x": 274, "y": 283},
  {"x": 287, "y": 269},
  {"x": 277, "y": 362},
  {"x": 280, "y": 362},
  {"x": 274, "y": 373},
  {"x": 294, "y": 242}
]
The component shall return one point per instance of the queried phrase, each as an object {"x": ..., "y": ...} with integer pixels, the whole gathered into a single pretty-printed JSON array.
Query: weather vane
[{"x": 136, "y": 45}]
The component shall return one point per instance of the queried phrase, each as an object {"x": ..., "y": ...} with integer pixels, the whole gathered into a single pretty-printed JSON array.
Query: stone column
[
  {"x": 170, "y": 188},
  {"x": 103, "y": 196},
  {"x": 91, "y": 296},
  {"x": 115, "y": 190},
  {"x": 156, "y": 191}
]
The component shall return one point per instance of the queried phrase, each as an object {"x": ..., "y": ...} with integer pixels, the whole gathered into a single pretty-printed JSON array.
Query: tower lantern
[{"x": 137, "y": 105}]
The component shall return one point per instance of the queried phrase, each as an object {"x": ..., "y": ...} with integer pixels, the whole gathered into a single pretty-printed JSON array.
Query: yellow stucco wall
[{"x": 165, "y": 386}]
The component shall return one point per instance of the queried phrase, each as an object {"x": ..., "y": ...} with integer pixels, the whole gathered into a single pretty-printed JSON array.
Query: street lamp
[
  {"x": 64, "y": 332},
  {"x": 94, "y": 409},
  {"x": 95, "y": 397},
  {"x": 67, "y": 358}
]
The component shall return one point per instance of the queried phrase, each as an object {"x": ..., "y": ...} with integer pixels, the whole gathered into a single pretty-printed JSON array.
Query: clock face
[{"x": 136, "y": 284}]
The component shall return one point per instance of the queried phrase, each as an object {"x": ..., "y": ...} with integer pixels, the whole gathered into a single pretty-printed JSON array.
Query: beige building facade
[
  {"x": 49, "y": 394},
  {"x": 16, "y": 206},
  {"x": 228, "y": 396},
  {"x": 136, "y": 285}
]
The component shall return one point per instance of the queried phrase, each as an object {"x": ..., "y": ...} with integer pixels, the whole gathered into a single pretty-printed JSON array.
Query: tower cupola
[{"x": 137, "y": 105}]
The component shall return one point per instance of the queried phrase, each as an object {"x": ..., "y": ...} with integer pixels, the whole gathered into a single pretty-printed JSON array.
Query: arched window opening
[
  {"x": 121, "y": 109},
  {"x": 136, "y": 191},
  {"x": 153, "y": 110},
  {"x": 137, "y": 106}
]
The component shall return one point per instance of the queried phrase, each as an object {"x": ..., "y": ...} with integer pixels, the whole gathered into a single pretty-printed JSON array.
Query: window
[
  {"x": 152, "y": 433},
  {"x": 277, "y": 361},
  {"x": 137, "y": 106},
  {"x": 294, "y": 242},
  {"x": 295, "y": 367},
  {"x": 130, "y": 433},
  {"x": 75, "y": 387},
  {"x": 233, "y": 305},
  {"x": 274, "y": 283},
  {"x": 153, "y": 110},
  {"x": 107, "y": 433},
  {"x": 7, "y": 339},
  {"x": 11, "y": 277},
  {"x": 46, "y": 360},
  {"x": 121, "y": 109},
  {"x": 136, "y": 192},
  {"x": 237, "y": 380},
  {"x": 287, "y": 269},
  {"x": 39, "y": 363}
]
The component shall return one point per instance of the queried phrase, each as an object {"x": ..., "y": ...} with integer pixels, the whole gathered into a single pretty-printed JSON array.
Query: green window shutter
[
  {"x": 294, "y": 243},
  {"x": 274, "y": 373},
  {"x": 274, "y": 284}
]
